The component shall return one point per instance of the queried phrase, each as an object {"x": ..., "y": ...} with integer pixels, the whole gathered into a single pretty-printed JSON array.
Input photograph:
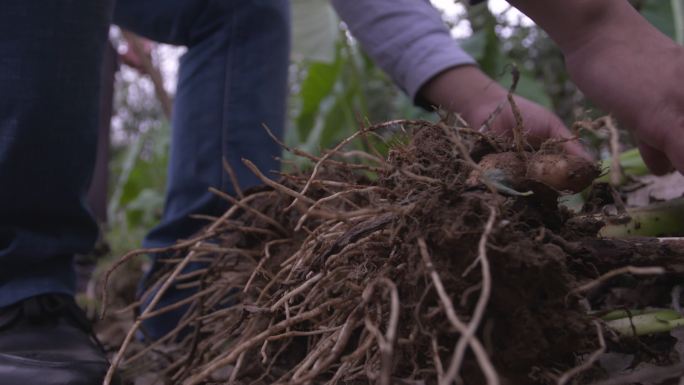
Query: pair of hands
[{"x": 623, "y": 64}]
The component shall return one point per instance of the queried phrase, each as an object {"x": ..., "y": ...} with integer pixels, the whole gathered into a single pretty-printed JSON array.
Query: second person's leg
[{"x": 232, "y": 80}]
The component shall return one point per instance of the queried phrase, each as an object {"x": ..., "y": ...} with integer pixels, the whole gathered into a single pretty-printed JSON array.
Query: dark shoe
[{"x": 47, "y": 340}]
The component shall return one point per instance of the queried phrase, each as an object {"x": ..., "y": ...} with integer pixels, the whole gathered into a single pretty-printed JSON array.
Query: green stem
[
  {"x": 631, "y": 163},
  {"x": 644, "y": 322},
  {"x": 617, "y": 314},
  {"x": 664, "y": 219}
]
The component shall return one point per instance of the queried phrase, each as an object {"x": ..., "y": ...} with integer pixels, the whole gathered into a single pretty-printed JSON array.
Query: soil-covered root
[
  {"x": 417, "y": 274},
  {"x": 560, "y": 171}
]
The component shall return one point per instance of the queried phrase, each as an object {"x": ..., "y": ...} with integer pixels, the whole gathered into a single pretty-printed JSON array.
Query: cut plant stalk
[
  {"x": 664, "y": 219},
  {"x": 644, "y": 322},
  {"x": 618, "y": 314},
  {"x": 631, "y": 163}
]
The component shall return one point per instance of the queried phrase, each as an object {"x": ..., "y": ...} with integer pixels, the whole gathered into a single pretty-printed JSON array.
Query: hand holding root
[{"x": 484, "y": 103}]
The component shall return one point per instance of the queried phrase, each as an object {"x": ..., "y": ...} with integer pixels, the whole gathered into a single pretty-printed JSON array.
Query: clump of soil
[{"x": 420, "y": 268}]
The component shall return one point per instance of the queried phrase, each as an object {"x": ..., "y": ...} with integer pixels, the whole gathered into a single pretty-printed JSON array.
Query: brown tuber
[{"x": 562, "y": 172}]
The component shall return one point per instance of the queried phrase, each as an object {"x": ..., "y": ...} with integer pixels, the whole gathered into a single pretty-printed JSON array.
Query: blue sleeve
[{"x": 406, "y": 38}]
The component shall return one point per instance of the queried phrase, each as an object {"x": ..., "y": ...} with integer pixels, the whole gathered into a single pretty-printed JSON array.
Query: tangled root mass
[{"x": 390, "y": 270}]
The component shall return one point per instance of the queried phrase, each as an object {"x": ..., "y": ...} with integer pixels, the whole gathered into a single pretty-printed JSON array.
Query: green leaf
[
  {"x": 339, "y": 122},
  {"x": 493, "y": 56},
  {"x": 130, "y": 158},
  {"x": 146, "y": 208},
  {"x": 485, "y": 45},
  {"x": 142, "y": 166},
  {"x": 318, "y": 84}
]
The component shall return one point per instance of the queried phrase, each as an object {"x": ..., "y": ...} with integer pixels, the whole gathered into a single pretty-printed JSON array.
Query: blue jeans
[{"x": 232, "y": 79}]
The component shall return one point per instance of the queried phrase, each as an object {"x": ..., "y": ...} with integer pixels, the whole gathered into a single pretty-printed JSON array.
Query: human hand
[
  {"x": 469, "y": 92},
  {"x": 624, "y": 65},
  {"x": 635, "y": 74},
  {"x": 132, "y": 56}
]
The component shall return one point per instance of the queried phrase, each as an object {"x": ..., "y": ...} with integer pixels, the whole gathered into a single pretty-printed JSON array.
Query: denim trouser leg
[
  {"x": 232, "y": 80},
  {"x": 50, "y": 56}
]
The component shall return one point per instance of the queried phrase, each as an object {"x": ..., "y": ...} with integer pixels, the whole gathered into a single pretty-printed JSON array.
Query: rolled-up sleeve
[{"x": 406, "y": 38}]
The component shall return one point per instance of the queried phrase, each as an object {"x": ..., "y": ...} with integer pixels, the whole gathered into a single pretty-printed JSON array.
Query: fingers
[
  {"x": 655, "y": 160},
  {"x": 675, "y": 151},
  {"x": 558, "y": 130},
  {"x": 659, "y": 137},
  {"x": 574, "y": 147},
  {"x": 542, "y": 125}
]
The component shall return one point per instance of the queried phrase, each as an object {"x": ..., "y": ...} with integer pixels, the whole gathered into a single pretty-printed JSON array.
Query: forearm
[{"x": 574, "y": 23}]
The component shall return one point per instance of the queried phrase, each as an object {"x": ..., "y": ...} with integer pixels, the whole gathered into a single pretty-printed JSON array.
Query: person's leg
[
  {"x": 232, "y": 80},
  {"x": 50, "y": 55}
]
